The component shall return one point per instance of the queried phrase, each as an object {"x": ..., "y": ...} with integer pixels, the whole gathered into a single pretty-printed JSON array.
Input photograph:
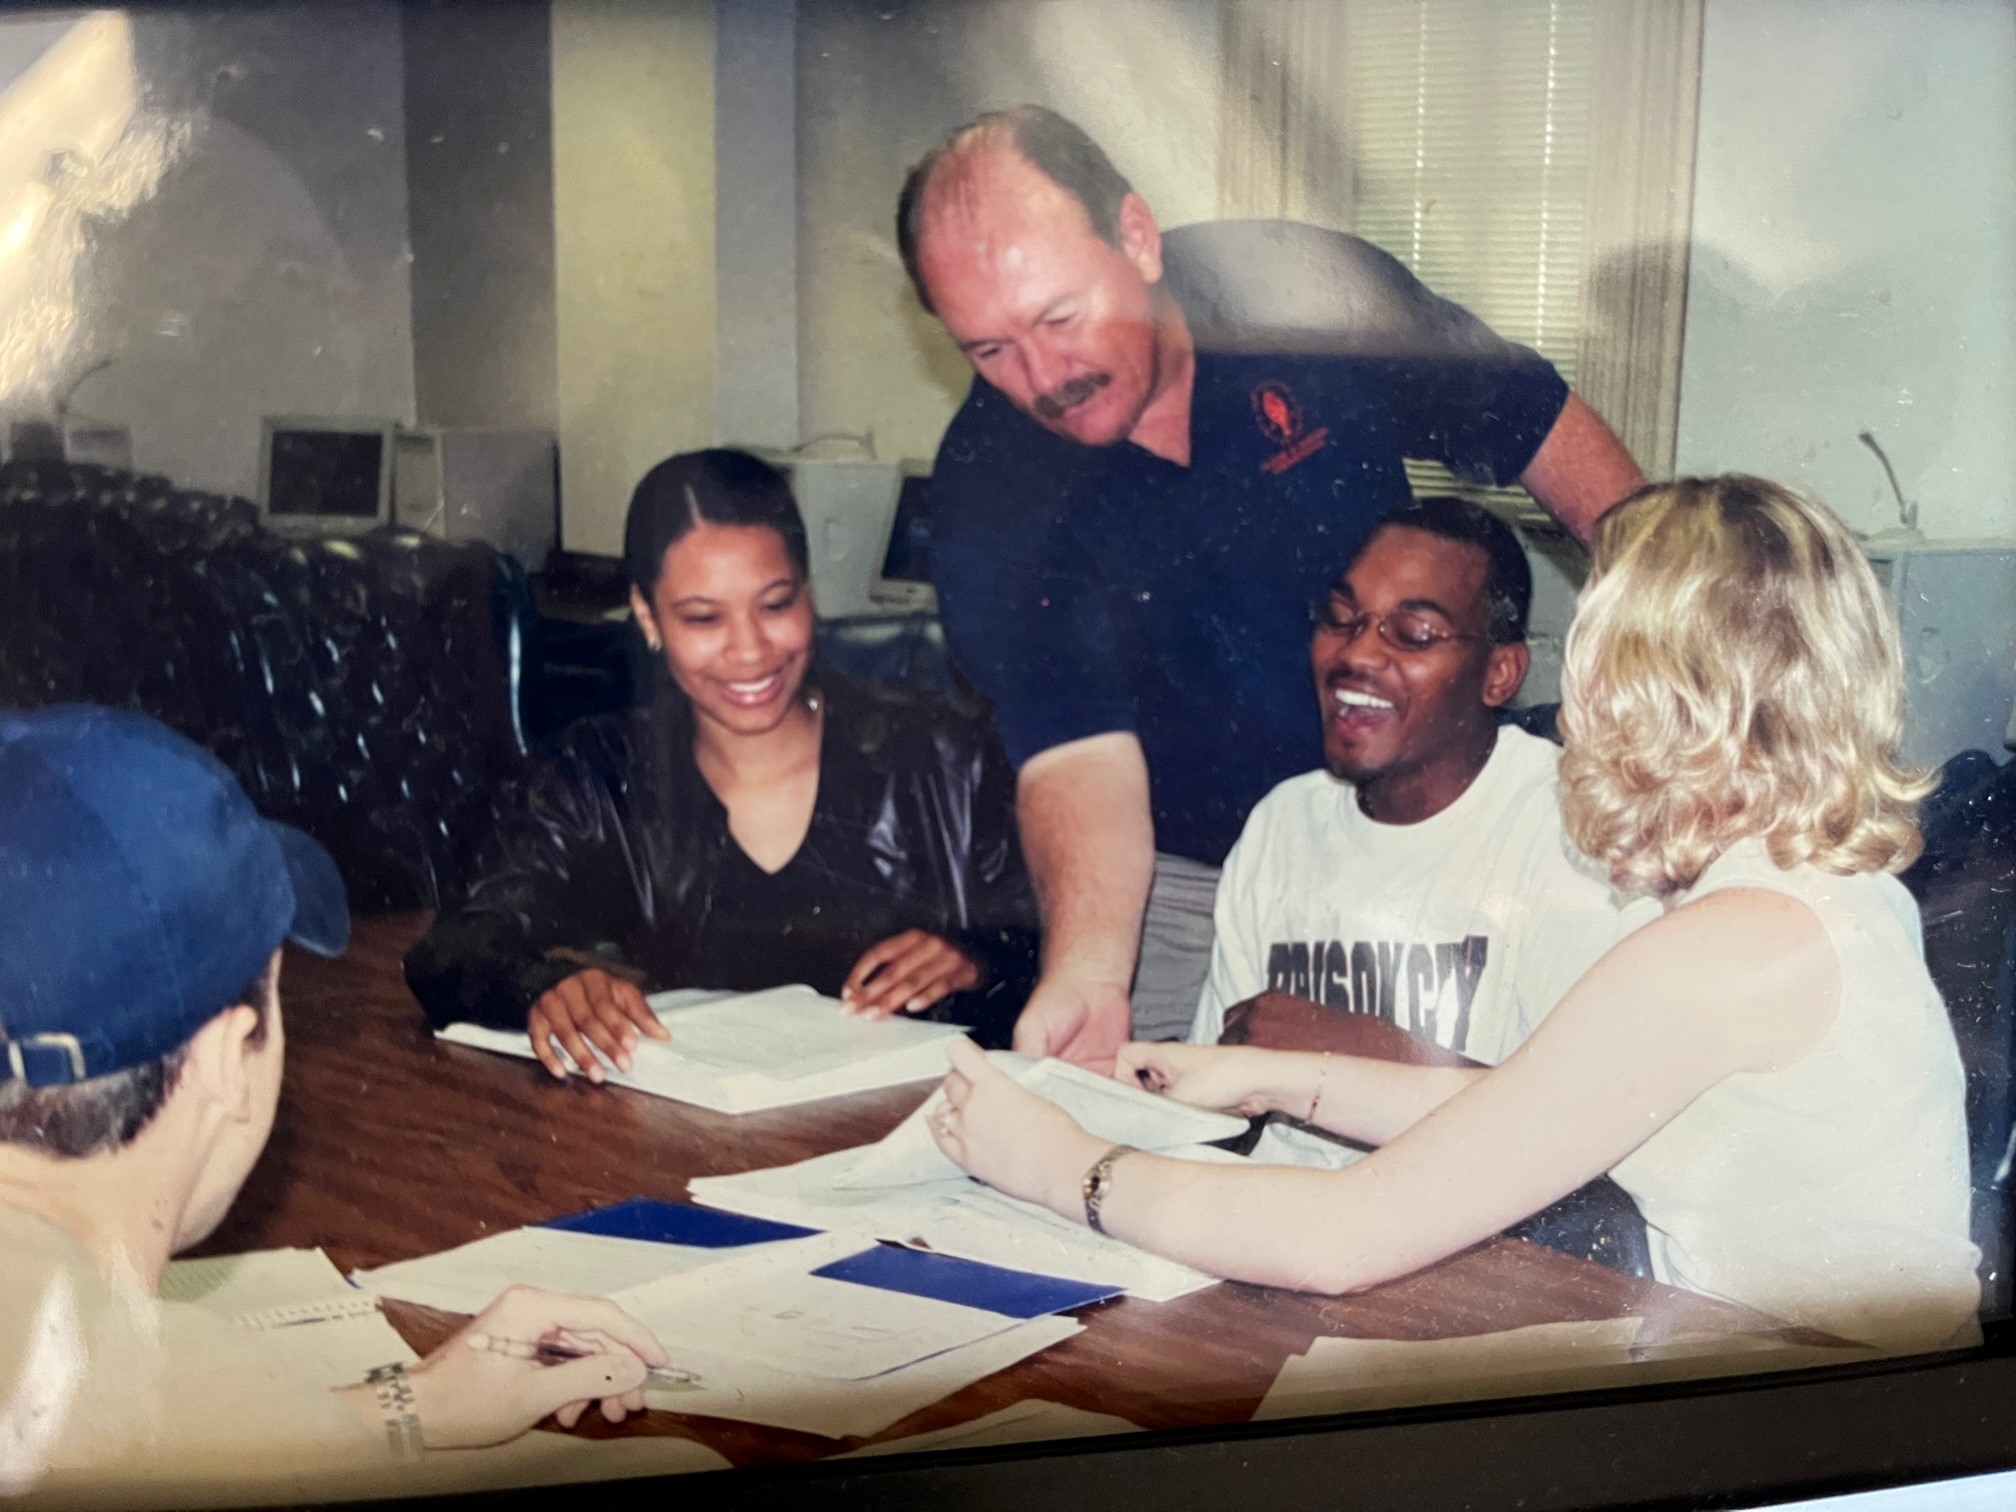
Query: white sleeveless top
[{"x": 1833, "y": 1192}]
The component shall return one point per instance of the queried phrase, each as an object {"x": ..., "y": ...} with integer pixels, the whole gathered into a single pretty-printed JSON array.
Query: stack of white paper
[
  {"x": 331, "y": 1332},
  {"x": 763, "y": 1340},
  {"x": 905, "y": 1190},
  {"x": 957, "y": 1217},
  {"x": 741, "y": 1053},
  {"x": 468, "y": 1278}
]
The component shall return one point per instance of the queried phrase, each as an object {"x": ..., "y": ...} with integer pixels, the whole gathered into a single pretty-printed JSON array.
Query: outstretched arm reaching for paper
[{"x": 1741, "y": 980}]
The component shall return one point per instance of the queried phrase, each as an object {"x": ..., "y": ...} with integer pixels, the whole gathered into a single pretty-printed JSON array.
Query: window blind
[
  {"x": 1469, "y": 128},
  {"x": 1464, "y": 127}
]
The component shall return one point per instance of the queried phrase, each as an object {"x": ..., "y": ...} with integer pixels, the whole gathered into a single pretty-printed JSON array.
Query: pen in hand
[{"x": 560, "y": 1351}]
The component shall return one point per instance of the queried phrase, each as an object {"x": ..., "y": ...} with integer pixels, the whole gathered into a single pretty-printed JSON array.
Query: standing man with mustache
[{"x": 1126, "y": 519}]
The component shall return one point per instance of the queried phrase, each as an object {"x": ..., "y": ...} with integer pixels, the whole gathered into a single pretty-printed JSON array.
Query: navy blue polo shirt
[{"x": 1090, "y": 590}]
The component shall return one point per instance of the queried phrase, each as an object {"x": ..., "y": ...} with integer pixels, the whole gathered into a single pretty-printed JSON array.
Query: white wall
[
  {"x": 875, "y": 92},
  {"x": 1855, "y": 255},
  {"x": 634, "y": 253},
  {"x": 756, "y": 223},
  {"x": 269, "y": 274},
  {"x": 479, "y": 184}
]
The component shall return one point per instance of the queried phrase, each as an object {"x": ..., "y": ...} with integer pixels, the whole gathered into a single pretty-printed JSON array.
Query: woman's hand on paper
[
  {"x": 1009, "y": 1137},
  {"x": 1232, "y": 1079},
  {"x": 470, "y": 1394},
  {"x": 907, "y": 973},
  {"x": 591, "y": 1016}
]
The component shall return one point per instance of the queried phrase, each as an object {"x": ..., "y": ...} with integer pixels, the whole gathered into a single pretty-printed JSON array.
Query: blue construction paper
[
  {"x": 676, "y": 1223},
  {"x": 992, "y": 1288}
]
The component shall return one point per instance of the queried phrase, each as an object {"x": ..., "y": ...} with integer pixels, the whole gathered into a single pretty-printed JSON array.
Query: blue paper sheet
[
  {"x": 677, "y": 1223},
  {"x": 993, "y": 1288}
]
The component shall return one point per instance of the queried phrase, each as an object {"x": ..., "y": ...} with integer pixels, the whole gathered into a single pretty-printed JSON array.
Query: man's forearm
[
  {"x": 1580, "y": 470},
  {"x": 1089, "y": 840}
]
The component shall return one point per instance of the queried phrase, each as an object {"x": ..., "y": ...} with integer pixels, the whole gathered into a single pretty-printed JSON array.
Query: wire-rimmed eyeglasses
[{"x": 1403, "y": 630}]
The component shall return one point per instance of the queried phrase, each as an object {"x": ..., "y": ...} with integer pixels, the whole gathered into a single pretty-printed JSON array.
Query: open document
[
  {"x": 958, "y": 1217},
  {"x": 830, "y": 1333},
  {"x": 744, "y": 1052},
  {"x": 1113, "y": 1110},
  {"x": 905, "y": 1190},
  {"x": 825, "y": 1337},
  {"x": 595, "y": 1254}
]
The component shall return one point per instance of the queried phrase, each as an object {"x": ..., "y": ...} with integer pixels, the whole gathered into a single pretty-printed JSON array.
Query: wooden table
[{"x": 390, "y": 1144}]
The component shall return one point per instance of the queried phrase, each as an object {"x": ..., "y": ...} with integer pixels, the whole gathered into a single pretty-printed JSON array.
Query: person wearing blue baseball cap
[{"x": 143, "y": 903}]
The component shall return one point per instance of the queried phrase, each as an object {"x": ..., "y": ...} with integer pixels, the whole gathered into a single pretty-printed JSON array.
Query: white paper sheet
[
  {"x": 809, "y": 1325},
  {"x": 1113, "y": 1110},
  {"x": 1026, "y": 1422},
  {"x": 330, "y": 1332},
  {"x": 466, "y": 1279},
  {"x": 956, "y": 1217},
  {"x": 737, "y": 1375},
  {"x": 753, "y": 1393},
  {"x": 1283, "y": 1142},
  {"x": 1351, "y": 1375},
  {"x": 235, "y": 1285},
  {"x": 747, "y": 1052}
]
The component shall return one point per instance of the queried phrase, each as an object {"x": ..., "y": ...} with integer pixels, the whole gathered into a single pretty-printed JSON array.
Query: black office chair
[
  {"x": 1597, "y": 1222},
  {"x": 1965, "y": 884}
]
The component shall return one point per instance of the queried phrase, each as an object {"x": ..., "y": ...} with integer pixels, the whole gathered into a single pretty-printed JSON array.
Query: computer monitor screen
[
  {"x": 327, "y": 476},
  {"x": 909, "y": 556}
]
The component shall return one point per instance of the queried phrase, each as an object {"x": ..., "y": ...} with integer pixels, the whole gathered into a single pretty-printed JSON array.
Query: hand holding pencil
[{"x": 540, "y": 1354}]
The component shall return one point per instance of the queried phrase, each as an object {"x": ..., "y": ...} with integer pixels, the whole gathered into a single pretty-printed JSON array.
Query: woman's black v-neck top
[{"x": 619, "y": 846}]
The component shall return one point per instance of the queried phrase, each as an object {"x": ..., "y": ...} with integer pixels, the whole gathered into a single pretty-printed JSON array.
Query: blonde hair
[{"x": 1733, "y": 671}]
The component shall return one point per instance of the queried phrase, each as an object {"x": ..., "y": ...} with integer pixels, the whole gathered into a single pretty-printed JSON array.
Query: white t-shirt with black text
[{"x": 1464, "y": 929}]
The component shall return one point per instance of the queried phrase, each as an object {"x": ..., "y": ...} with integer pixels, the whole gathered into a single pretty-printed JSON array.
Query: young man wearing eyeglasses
[{"x": 1421, "y": 876}]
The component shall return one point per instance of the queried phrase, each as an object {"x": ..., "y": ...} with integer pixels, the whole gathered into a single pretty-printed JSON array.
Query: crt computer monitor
[
  {"x": 326, "y": 476},
  {"x": 908, "y": 559}
]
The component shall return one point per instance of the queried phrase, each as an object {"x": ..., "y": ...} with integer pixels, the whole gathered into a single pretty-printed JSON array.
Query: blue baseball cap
[{"x": 140, "y": 892}]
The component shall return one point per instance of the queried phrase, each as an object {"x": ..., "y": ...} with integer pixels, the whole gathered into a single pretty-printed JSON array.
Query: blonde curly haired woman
[{"x": 1766, "y": 1067}]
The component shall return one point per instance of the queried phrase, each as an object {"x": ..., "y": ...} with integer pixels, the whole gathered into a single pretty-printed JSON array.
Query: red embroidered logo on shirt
[{"x": 1280, "y": 421}]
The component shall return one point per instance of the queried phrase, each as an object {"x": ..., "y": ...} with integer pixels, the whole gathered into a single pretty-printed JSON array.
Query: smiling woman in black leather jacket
[{"x": 758, "y": 821}]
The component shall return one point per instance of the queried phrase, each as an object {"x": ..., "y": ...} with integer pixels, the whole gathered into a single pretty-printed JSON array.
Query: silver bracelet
[{"x": 393, "y": 1388}]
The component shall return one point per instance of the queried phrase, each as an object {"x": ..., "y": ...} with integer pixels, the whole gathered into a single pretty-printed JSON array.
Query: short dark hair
[
  {"x": 1057, "y": 146},
  {"x": 107, "y": 1113},
  {"x": 720, "y": 486},
  {"x": 1508, "y": 580}
]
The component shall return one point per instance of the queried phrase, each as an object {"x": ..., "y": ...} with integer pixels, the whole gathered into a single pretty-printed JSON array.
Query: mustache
[{"x": 1069, "y": 395}]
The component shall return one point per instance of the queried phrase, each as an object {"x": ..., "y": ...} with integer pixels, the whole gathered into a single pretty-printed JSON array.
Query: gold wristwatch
[{"x": 1096, "y": 1184}]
